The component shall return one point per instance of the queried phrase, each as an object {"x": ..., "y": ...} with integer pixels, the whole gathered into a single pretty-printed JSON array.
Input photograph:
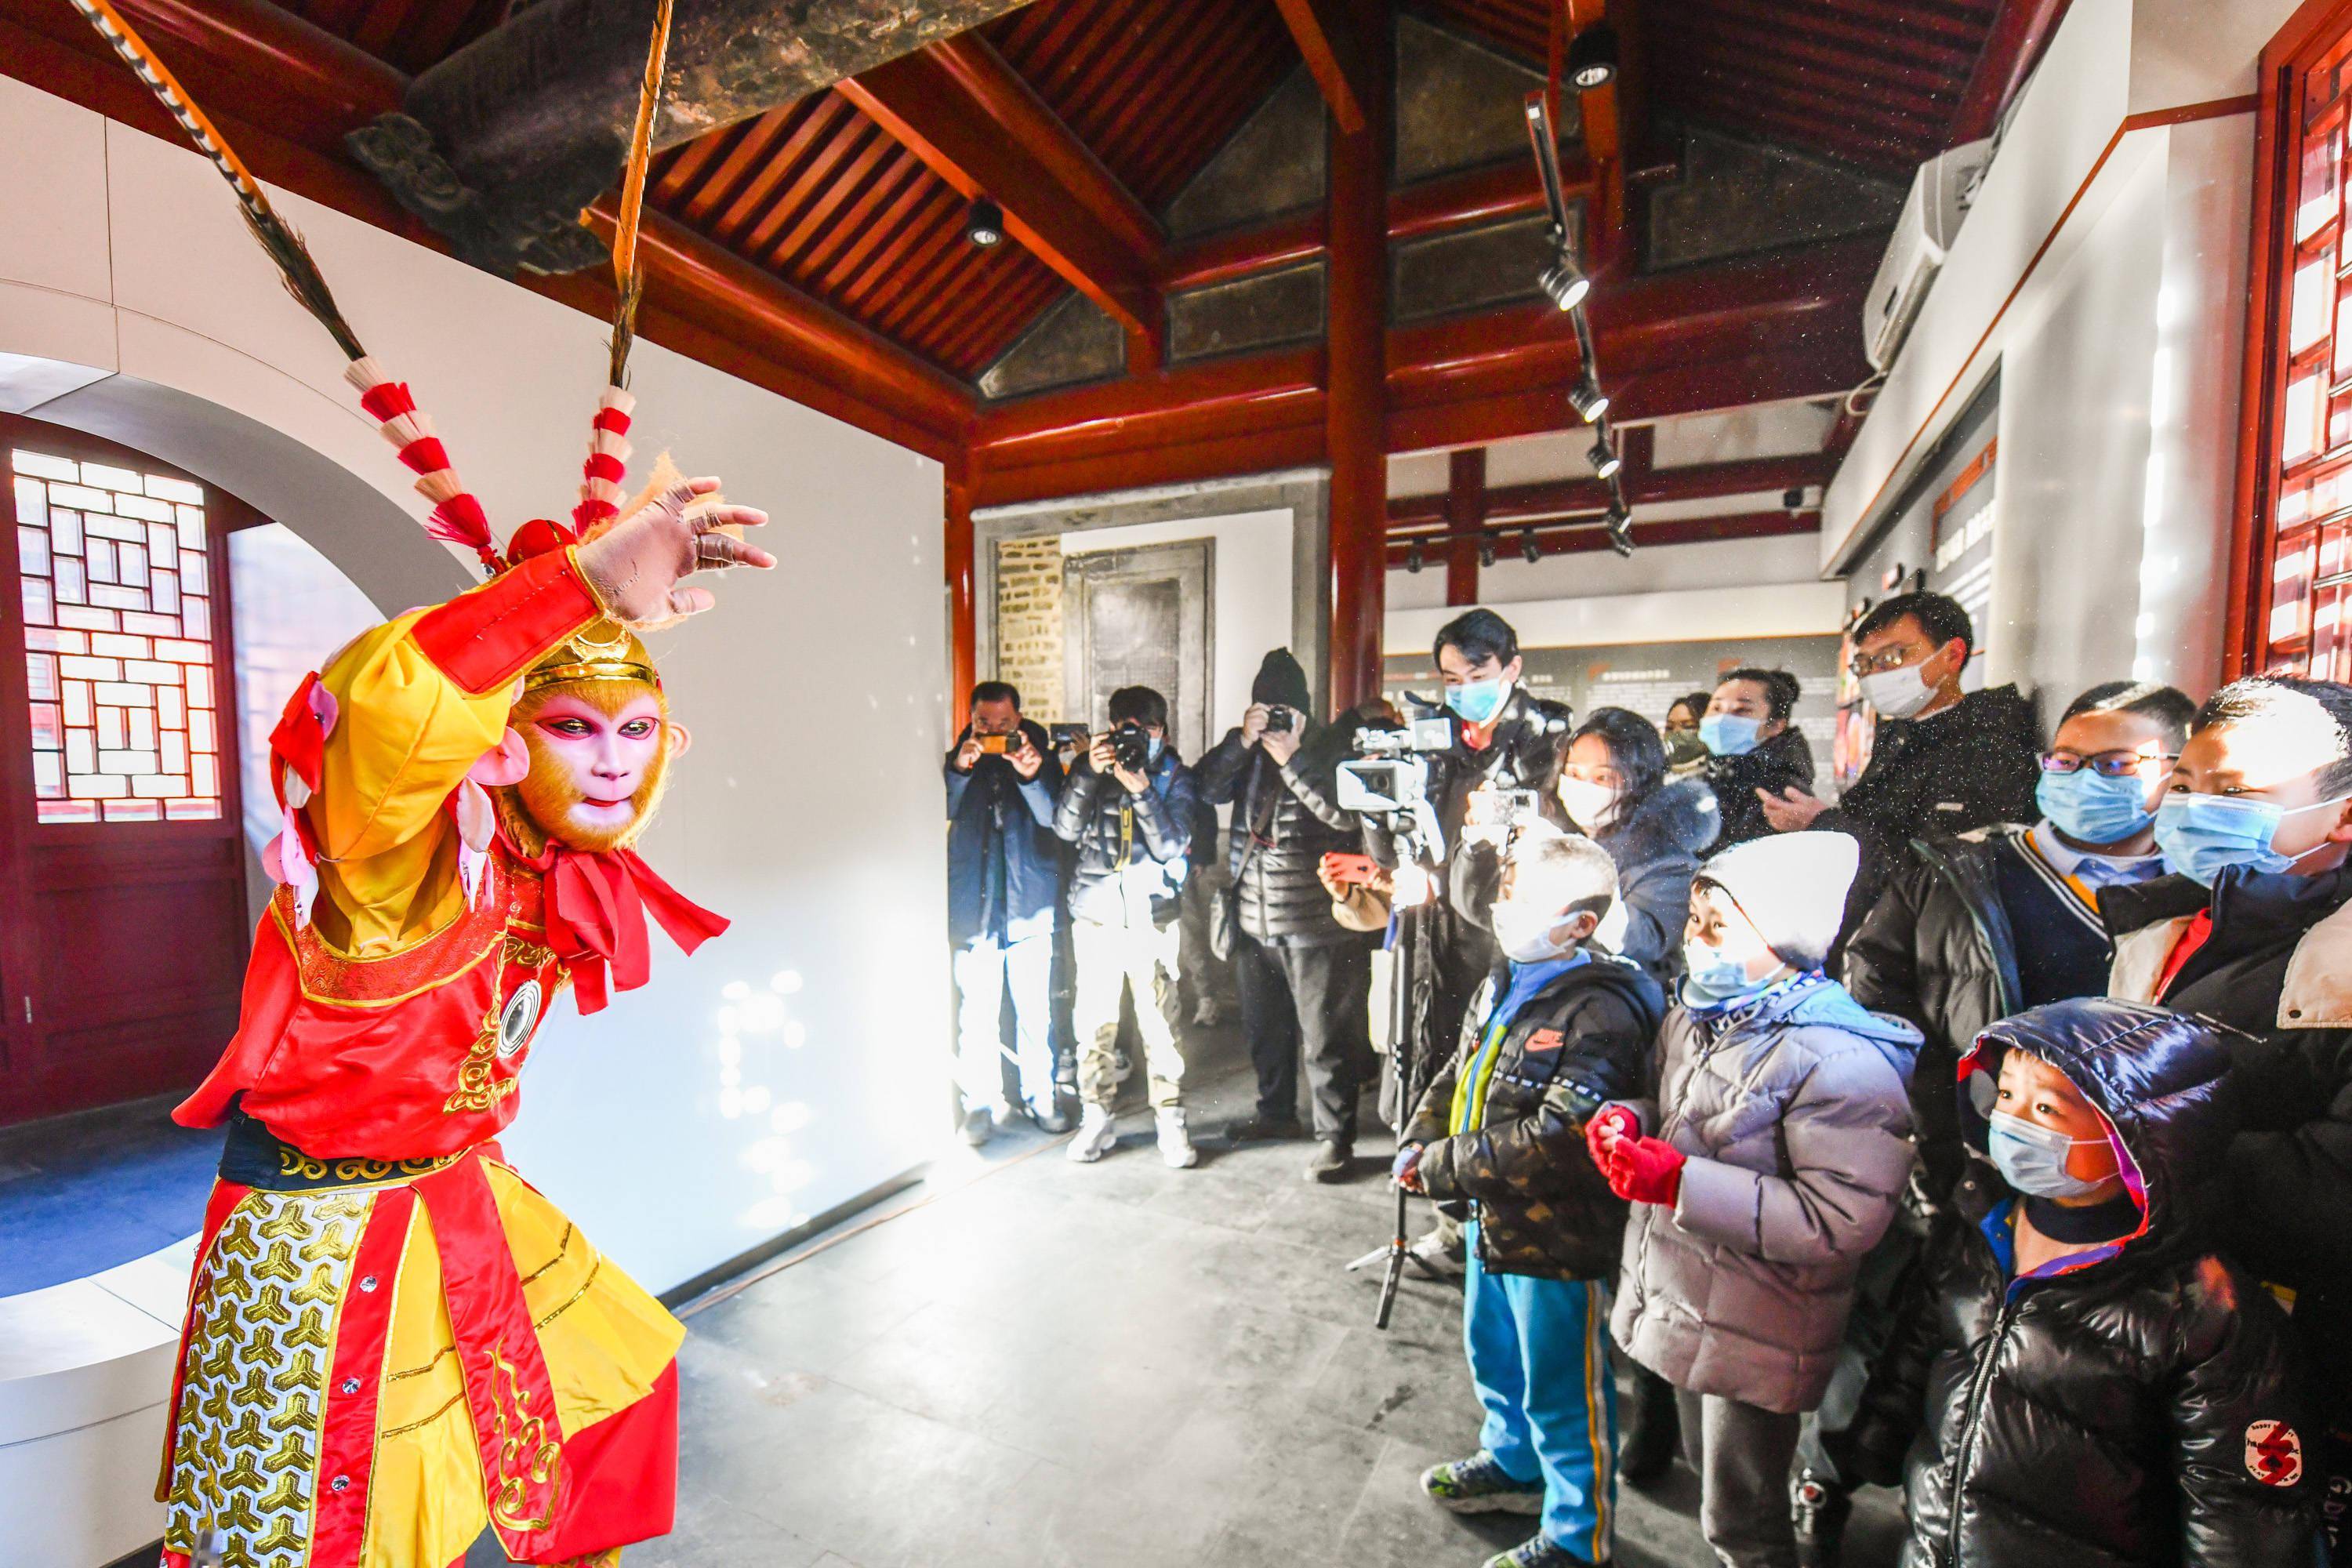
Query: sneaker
[
  {"x": 1334, "y": 1161},
  {"x": 1542, "y": 1551},
  {"x": 1175, "y": 1144},
  {"x": 978, "y": 1127},
  {"x": 1264, "y": 1128},
  {"x": 1097, "y": 1134},
  {"x": 1440, "y": 1259},
  {"x": 1480, "y": 1485},
  {"x": 1820, "y": 1508}
]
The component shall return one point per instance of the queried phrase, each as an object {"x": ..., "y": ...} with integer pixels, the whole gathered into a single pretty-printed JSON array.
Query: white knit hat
[{"x": 1792, "y": 886}]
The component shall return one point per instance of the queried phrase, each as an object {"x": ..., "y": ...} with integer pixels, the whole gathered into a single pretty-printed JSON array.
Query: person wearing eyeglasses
[
  {"x": 1981, "y": 927},
  {"x": 1942, "y": 761},
  {"x": 2255, "y": 932}
]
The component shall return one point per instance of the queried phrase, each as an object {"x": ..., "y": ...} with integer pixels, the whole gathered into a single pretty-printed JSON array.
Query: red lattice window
[
  {"x": 115, "y": 579},
  {"x": 2296, "y": 548}
]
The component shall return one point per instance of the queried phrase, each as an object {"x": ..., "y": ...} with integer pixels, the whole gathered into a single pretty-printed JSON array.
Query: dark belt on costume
[{"x": 255, "y": 1157}]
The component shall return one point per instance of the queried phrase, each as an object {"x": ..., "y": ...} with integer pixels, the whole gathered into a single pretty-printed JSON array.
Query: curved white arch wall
[{"x": 799, "y": 1061}]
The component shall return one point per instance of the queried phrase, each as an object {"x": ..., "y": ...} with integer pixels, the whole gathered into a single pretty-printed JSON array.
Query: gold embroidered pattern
[
  {"x": 574, "y": 1300},
  {"x": 563, "y": 1249},
  {"x": 292, "y": 1161},
  {"x": 244, "y": 1465},
  {"x": 523, "y": 1492}
]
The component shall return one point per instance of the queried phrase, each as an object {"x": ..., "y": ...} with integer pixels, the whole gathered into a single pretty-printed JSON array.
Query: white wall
[
  {"x": 125, "y": 271},
  {"x": 1787, "y": 609},
  {"x": 1251, "y": 594},
  {"x": 2103, "y": 274}
]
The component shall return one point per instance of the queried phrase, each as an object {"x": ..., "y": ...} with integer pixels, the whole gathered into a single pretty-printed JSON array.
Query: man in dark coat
[
  {"x": 1306, "y": 980},
  {"x": 2255, "y": 932},
  {"x": 1753, "y": 750},
  {"x": 1984, "y": 926},
  {"x": 1003, "y": 873},
  {"x": 2096, "y": 1384},
  {"x": 1941, "y": 761}
]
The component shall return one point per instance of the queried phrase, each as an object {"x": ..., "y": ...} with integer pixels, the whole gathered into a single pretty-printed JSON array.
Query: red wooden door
[{"x": 123, "y": 926}]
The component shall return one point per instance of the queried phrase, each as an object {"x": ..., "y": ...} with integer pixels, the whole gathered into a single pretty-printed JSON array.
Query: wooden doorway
[
  {"x": 1140, "y": 616},
  {"x": 122, "y": 917}
]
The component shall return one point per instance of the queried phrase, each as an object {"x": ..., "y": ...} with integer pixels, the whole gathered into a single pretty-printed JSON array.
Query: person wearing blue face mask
[
  {"x": 1976, "y": 927},
  {"x": 2099, "y": 1380},
  {"x": 1753, "y": 749},
  {"x": 1133, "y": 829},
  {"x": 2255, "y": 932}
]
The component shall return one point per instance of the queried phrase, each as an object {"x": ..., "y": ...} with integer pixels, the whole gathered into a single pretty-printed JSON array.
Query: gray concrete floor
[{"x": 1116, "y": 1365}]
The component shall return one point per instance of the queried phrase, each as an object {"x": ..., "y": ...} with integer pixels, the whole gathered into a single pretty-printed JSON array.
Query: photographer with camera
[
  {"x": 1305, "y": 978},
  {"x": 1128, "y": 809},
  {"x": 1004, "y": 877}
]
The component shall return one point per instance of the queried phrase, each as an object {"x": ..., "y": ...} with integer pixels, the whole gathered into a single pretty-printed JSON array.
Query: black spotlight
[
  {"x": 985, "y": 224},
  {"x": 1589, "y": 401},
  {"x": 1620, "y": 528},
  {"x": 1529, "y": 551},
  {"x": 1487, "y": 549},
  {"x": 1413, "y": 560},
  {"x": 1606, "y": 463},
  {"x": 1564, "y": 282},
  {"x": 1592, "y": 57}
]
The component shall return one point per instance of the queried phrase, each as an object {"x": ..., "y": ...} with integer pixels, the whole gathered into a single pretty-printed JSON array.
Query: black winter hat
[{"x": 1280, "y": 680}]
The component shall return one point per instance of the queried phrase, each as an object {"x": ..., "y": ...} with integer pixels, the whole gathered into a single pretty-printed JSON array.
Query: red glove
[
  {"x": 1618, "y": 1116},
  {"x": 1647, "y": 1170}
]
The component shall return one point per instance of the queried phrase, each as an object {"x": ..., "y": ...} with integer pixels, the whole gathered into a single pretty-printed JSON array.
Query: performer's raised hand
[{"x": 636, "y": 565}]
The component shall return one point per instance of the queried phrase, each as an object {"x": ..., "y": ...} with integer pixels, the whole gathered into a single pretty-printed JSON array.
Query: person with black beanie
[{"x": 1304, "y": 979}]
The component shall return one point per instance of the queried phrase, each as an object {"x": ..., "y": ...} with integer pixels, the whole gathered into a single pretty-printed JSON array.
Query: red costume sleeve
[{"x": 485, "y": 638}]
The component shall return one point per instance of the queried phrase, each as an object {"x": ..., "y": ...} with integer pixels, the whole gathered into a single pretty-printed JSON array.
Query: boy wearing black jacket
[
  {"x": 2099, "y": 1385},
  {"x": 1556, "y": 1032}
]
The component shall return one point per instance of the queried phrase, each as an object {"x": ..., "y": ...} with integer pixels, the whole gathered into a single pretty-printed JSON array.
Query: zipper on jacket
[{"x": 1979, "y": 1389}]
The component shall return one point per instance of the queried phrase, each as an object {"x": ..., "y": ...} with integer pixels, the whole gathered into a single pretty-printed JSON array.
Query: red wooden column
[
  {"x": 1356, "y": 408},
  {"x": 963, "y": 628},
  {"x": 1465, "y": 519}
]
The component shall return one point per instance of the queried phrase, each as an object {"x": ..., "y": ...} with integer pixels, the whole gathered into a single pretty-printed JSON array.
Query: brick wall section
[{"x": 1029, "y": 623}]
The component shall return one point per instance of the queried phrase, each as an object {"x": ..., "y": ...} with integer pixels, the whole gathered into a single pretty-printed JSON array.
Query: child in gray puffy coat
[{"x": 1769, "y": 1164}]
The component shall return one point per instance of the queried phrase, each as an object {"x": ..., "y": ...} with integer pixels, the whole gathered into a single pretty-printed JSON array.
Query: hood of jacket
[
  {"x": 1679, "y": 818},
  {"x": 2157, "y": 1076},
  {"x": 1816, "y": 999}
]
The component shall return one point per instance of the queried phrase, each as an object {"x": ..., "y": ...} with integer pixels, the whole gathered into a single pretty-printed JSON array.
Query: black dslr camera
[
  {"x": 1130, "y": 747},
  {"x": 1279, "y": 720}
]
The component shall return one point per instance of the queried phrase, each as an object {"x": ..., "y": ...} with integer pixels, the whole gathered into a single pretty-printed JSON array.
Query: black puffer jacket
[
  {"x": 1285, "y": 821},
  {"x": 2278, "y": 967},
  {"x": 2138, "y": 1408},
  {"x": 1784, "y": 761},
  {"x": 1581, "y": 1041},
  {"x": 1937, "y": 949},
  {"x": 1131, "y": 847},
  {"x": 1973, "y": 765}
]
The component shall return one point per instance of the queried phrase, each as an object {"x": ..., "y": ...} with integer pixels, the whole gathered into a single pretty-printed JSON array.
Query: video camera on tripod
[{"x": 1388, "y": 779}]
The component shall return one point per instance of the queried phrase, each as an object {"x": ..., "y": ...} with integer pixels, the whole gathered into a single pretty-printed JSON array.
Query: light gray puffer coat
[{"x": 1792, "y": 1112}]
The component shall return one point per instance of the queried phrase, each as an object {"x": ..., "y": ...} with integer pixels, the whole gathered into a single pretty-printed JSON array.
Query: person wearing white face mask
[
  {"x": 1765, "y": 1168},
  {"x": 2256, "y": 933},
  {"x": 1941, "y": 761},
  {"x": 1555, "y": 1032},
  {"x": 1612, "y": 787},
  {"x": 1754, "y": 750}
]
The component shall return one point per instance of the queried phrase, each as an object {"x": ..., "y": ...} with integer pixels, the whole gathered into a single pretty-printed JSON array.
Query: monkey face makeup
[{"x": 599, "y": 753}]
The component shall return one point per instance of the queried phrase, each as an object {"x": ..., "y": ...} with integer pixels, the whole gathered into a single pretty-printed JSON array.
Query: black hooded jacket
[
  {"x": 2133, "y": 1407},
  {"x": 1773, "y": 766},
  {"x": 1286, "y": 817},
  {"x": 1973, "y": 765}
]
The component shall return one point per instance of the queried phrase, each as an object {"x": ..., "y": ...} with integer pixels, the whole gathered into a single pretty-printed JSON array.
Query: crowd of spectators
[{"x": 1985, "y": 1131}]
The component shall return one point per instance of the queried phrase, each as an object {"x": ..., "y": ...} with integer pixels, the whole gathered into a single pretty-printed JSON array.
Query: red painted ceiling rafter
[
  {"x": 1577, "y": 538},
  {"x": 1703, "y": 481},
  {"x": 296, "y": 88}
]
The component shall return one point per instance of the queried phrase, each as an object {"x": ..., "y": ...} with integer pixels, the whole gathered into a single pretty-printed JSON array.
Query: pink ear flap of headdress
[{"x": 504, "y": 763}]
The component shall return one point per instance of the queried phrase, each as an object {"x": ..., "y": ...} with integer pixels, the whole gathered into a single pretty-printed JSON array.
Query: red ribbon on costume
[{"x": 596, "y": 907}]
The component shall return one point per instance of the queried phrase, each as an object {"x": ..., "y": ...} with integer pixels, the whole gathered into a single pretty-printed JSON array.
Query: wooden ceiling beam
[
  {"x": 1566, "y": 497},
  {"x": 286, "y": 92},
  {"x": 1337, "y": 55},
  {"x": 2020, "y": 29},
  {"x": 960, "y": 108}
]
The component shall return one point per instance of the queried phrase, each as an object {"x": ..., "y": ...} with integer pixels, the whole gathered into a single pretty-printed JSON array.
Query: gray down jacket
[{"x": 1792, "y": 1115}]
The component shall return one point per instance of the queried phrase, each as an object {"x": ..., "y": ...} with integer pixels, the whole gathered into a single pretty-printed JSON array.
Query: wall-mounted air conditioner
[{"x": 1931, "y": 220}]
